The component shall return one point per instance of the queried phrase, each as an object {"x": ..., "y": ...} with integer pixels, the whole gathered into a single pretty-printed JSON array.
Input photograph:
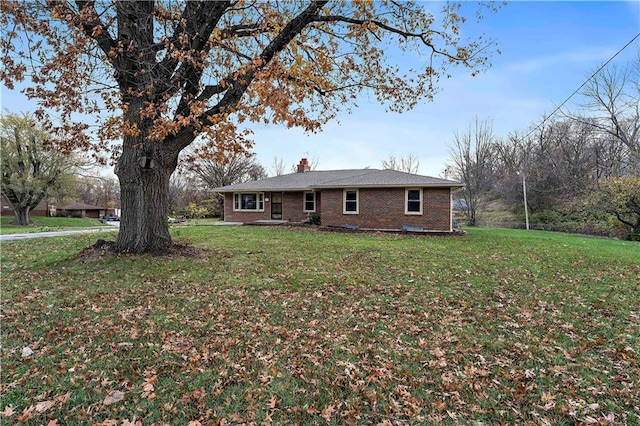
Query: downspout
[{"x": 450, "y": 210}]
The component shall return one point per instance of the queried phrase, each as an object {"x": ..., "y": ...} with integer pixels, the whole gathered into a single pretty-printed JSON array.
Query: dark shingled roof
[
  {"x": 80, "y": 206},
  {"x": 356, "y": 178}
]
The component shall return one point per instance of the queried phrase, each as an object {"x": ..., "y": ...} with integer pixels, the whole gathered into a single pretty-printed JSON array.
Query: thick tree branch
[
  {"x": 246, "y": 75},
  {"x": 622, "y": 219},
  {"x": 92, "y": 26},
  {"x": 239, "y": 81},
  {"x": 200, "y": 19}
]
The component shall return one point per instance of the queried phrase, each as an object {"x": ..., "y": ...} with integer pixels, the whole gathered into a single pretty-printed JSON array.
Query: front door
[{"x": 276, "y": 205}]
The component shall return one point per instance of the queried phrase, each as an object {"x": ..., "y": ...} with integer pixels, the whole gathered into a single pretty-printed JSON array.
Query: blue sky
[{"x": 548, "y": 50}]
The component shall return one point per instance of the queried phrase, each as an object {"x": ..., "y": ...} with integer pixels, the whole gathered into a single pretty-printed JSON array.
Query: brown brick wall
[
  {"x": 292, "y": 208},
  {"x": 383, "y": 208},
  {"x": 231, "y": 216},
  {"x": 379, "y": 208}
]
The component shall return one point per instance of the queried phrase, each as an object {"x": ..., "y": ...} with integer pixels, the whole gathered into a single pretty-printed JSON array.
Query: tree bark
[
  {"x": 22, "y": 217},
  {"x": 22, "y": 202},
  {"x": 144, "y": 197},
  {"x": 144, "y": 170}
]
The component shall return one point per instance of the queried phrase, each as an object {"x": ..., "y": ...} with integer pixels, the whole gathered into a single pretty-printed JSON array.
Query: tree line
[{"x": 580, "y": 168}]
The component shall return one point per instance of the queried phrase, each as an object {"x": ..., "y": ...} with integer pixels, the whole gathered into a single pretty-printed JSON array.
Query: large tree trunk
[
  {"x": 21, "y": 216},
  {"x": 144, "y": 170},
  {"x": 22, "y": 202}
]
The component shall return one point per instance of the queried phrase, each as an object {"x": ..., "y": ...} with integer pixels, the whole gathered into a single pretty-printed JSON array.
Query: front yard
[{"x": 276, "y": 325}]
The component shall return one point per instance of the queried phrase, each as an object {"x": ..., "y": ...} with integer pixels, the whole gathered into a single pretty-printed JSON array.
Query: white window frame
[
  {"x": 406, "y": 202},
  {"x": 237, "y": 201},
  {"x": 344, "y": 201},
  {"x": 304, "y": 201}
]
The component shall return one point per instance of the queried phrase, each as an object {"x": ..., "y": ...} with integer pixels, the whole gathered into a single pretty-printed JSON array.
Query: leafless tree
[
  {"x": 277, "y": 166},
  {"x": 408, "y": 164},
  {"x": 226, "y": 169},
  {"x": 613, "y": 107},
  {"x": 99, "y": 190},
  {"x": 472, "y": 159}
]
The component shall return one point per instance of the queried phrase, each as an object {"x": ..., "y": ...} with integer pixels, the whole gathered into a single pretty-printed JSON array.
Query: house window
[
  {"x": 251, "y": 201},
  {"x": 413, "y": 204},
  {"x": 309, "y": 202},
  {"x": 350, "y": 201}
]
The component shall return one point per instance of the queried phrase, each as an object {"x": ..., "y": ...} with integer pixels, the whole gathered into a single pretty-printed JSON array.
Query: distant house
[
  {"x": 459, "y": 205},
  {"x": 82, "y": 210},
  {"x": 357, "y": 198},
  {"x": 42, "y": 209}
]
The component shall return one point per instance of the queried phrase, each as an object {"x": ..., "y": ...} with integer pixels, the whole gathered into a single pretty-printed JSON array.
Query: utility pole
[{"x": 526, "y": 208}]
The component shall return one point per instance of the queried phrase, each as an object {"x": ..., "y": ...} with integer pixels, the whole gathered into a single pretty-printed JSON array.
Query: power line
[{"x": 582, "y": 85}]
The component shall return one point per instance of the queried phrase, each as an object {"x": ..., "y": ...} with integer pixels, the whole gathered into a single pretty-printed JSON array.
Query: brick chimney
[{"x": 303, "y": 166}]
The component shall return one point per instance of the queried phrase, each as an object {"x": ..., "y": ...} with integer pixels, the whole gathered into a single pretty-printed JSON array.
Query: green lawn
[
  {"x": 45, "y": 224},
  {"x": 279, "y": 325}
]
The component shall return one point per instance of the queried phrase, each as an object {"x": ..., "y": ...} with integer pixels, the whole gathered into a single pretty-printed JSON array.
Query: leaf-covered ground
[{"x": 286, "y": 326}]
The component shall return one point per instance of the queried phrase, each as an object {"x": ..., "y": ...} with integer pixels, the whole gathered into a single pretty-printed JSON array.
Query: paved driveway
[{"x": 13, "y": 237}]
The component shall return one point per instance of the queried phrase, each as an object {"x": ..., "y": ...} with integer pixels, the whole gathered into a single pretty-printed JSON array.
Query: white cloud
[{"x": 593, "y": 55}]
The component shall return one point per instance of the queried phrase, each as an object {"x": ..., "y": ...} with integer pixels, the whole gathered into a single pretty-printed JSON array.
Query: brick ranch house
[
  {"x": 359, "y": 198},
  {"x": 83, "y": 210}
]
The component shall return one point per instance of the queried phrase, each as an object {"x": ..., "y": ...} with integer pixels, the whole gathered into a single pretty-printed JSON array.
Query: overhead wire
[{"x": 582, "y": 85}]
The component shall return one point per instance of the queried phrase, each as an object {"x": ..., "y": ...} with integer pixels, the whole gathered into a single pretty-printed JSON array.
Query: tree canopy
[
  {"x": 621, "y": 197},
  {"x": 31, "y": 169},
  {"x": 157, "y": 75}
]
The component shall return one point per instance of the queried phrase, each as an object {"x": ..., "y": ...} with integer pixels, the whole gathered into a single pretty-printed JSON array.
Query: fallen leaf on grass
[
  {"x": 547, "y": 396},
  {"x": 62, "y": 398},
  {"x": 438, "y": 352},
  {"x": 273, "y": 402},
  {"x": 327, "y": 412},
  {"x": 26, "y": 414},
  {"x": 148, "y": 391},
  {"x": 43, "y": 406},
  {"x": 609, "y": 418},
  {"x": 113, "y": 397},
  {"x": 148, "y": 388}
]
